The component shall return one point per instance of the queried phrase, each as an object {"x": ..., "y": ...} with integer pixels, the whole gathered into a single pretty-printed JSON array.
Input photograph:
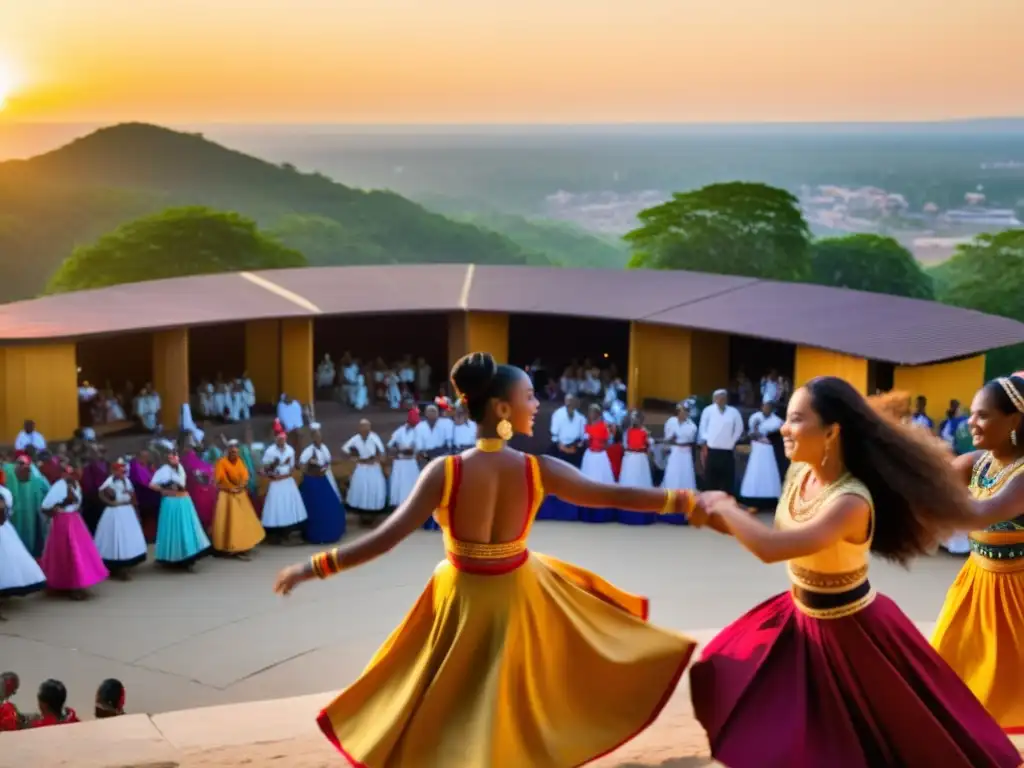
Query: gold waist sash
[{"x": 478, "y": 551}]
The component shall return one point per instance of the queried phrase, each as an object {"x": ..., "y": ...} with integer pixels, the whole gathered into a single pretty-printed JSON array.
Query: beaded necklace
[{"x": 992, "y": 484}]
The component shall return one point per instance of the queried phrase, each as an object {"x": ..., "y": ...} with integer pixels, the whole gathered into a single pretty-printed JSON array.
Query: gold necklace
[
  {"x": 802, "y": 510},
  {"x": 490, "y": 444}
]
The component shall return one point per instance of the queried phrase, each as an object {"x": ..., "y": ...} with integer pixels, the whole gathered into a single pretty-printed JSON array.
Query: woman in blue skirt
[
  {"x": 180, "y": 538},
  {"x": 325, "y": 523}
]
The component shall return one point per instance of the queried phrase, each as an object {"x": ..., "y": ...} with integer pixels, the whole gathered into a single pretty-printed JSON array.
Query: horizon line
[{"x": 521, "y": 124}]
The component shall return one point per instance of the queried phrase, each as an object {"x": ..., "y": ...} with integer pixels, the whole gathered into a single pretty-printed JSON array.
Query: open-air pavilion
[{"x": 673, "y": 333}]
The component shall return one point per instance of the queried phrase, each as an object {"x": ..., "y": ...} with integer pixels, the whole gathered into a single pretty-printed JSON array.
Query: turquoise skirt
[{"x": 180, "y": 538}]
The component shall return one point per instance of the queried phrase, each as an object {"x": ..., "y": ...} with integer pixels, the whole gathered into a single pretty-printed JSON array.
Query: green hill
[
  {"x": 559, "y": 242},
  {"x": 54, "y": 202}
]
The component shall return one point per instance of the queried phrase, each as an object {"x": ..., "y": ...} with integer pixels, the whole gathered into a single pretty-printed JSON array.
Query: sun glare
[{"x": 6, "y": 84}]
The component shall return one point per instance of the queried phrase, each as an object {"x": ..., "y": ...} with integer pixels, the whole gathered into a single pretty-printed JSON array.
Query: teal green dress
[{"x": 28, "y": 498}]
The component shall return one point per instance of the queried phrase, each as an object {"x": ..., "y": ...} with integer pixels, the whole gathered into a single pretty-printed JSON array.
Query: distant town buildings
[{"x": 931, "y": 233}]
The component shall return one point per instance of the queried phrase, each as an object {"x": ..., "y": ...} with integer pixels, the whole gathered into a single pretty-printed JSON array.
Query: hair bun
[{"x": 473, "y": 375}]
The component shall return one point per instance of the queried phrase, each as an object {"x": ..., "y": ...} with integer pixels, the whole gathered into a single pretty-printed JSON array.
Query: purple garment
[
  {"x": 94, "y": 475},
  {"x": 202, "y": 489},
  {"x": 141, "y": 476}
]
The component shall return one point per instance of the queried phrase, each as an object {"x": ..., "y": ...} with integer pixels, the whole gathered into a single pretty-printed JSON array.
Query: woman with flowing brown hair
[{"x": 830, "y": 673}]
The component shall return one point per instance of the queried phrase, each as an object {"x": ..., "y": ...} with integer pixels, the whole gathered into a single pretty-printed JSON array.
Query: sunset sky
[{"x": 530, "y": 61}]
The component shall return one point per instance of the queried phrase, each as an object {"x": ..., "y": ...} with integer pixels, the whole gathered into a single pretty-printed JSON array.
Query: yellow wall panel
[
  {"x": 812, "y": 362},
  {"x": 297, "y": 364},
  {"x": 170, "y": 375},
  {"x": 660, "y": 363},
  {"x": 488, "y": 332},
  {"x": 40, "y": 383},
  {"x": 709, "y": 362},
  {"x": 263, "y": 358},
  {"x": 942, "y": 382}
]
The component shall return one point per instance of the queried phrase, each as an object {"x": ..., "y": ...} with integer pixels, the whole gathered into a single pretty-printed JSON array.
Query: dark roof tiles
[{"x": 871, "y": 325}]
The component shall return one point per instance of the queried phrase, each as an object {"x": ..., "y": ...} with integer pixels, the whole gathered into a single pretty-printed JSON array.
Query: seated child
[
  {"x": 10, "y": 718},
  {"x": 109, "y": 699},
  {"x": 52, "y": 698}
]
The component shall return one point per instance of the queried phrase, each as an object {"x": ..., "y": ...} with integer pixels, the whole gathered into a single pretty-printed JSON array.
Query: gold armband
[
  {"x": 671, "y": 499},
  {"x": 326, "y": 564}
]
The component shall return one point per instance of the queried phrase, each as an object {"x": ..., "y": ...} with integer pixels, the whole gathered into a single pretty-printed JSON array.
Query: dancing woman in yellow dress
[
  {"x": 510, "y": 658},
  {"x": 980, "y": 631}
]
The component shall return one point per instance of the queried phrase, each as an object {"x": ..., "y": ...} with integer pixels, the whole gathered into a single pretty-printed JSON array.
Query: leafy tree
[
  {"x": 176, "y": 242},
  {"x": 987, "y": 274},
  {"x": 737, "y": 228},
  {"x": 869, "y": 263},
  {"x": 327, "y": 242}
]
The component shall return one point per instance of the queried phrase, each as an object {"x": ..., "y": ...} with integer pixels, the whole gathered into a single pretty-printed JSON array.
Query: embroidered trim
[{"x": 818, "y": 580}]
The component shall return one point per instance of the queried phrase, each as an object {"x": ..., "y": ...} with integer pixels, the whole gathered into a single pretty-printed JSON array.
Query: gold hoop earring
[{"x": 504, "y": 429}]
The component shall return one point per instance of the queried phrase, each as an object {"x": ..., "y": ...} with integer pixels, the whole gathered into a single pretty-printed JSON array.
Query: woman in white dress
[
  {"x": 636, "y": 467},
  {"x": 20, "y": 574},
  {"x": 394, "y": 390},
  {"x": 761, "y": 479},
  {"x": 119, "y": 537},
  {"x": 367, "y": 488},
  {"x": 680, "y": 435},
  {"x": 283, "y": 510},
  {"x": 405, "y": 469},
  {"x": 596, "y": 465},
  {"x": 360, "y": 395}
]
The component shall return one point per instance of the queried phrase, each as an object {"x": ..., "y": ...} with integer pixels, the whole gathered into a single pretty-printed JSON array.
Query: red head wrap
[{"x": 414, "y": 416}]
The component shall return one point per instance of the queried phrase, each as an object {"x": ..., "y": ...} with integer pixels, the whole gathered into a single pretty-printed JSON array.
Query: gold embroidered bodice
[
  {"x": 1000, "y": 541},
  {"x": 839, "y": 567},
  {"x": 472, "y": 550}
]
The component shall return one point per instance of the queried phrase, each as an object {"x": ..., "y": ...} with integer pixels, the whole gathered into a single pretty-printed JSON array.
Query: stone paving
[{"x": 220, "y": 636}]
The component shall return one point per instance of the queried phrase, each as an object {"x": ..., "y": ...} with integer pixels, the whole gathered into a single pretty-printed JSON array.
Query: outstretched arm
[
  {"x": 409, "y": 516},
  {"x": 847, "y": 518},
  {"x": 569, "y": 484},
  {"x": 1005, "y": 505}
]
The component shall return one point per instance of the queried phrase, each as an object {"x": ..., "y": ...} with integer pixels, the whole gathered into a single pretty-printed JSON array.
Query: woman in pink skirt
[{"x": 70, "y": 560}]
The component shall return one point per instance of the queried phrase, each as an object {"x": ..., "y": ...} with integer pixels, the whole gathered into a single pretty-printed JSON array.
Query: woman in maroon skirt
[{"x": 831, "y": 673}]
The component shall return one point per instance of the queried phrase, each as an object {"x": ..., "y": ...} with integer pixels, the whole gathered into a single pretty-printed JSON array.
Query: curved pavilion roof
[{"x": 870, "y": 325}]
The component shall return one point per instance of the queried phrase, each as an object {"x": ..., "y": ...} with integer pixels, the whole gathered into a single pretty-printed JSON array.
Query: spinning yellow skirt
[
  {"x": 980, "y": 633},
  {"x": 538, "y": 664}
]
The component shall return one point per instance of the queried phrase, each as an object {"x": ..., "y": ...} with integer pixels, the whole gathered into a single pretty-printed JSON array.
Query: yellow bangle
[
  {"x": 326, "y": 564},
  {"x": 670, "y": 502}
]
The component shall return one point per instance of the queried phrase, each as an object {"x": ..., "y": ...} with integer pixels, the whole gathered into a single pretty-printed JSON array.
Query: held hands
[
  {"x": 289, "y": 578},
  {"x": 712, "y": 510}
]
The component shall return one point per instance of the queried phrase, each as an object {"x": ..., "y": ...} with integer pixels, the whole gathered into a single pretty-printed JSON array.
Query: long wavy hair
[{"x": 918, "y": 498}]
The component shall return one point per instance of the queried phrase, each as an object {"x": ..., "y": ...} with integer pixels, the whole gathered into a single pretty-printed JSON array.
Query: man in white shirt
[
  {"x": 568, "y": 432},
  {"x": 289, "y": 413},
  {"x": 721, "y": 426},
  {"x": 434, "y": 433},
  {"x": 30, "y": 437}
]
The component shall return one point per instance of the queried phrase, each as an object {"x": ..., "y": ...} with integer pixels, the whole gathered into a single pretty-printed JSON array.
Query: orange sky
[{"x": 511, "y": 61}]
